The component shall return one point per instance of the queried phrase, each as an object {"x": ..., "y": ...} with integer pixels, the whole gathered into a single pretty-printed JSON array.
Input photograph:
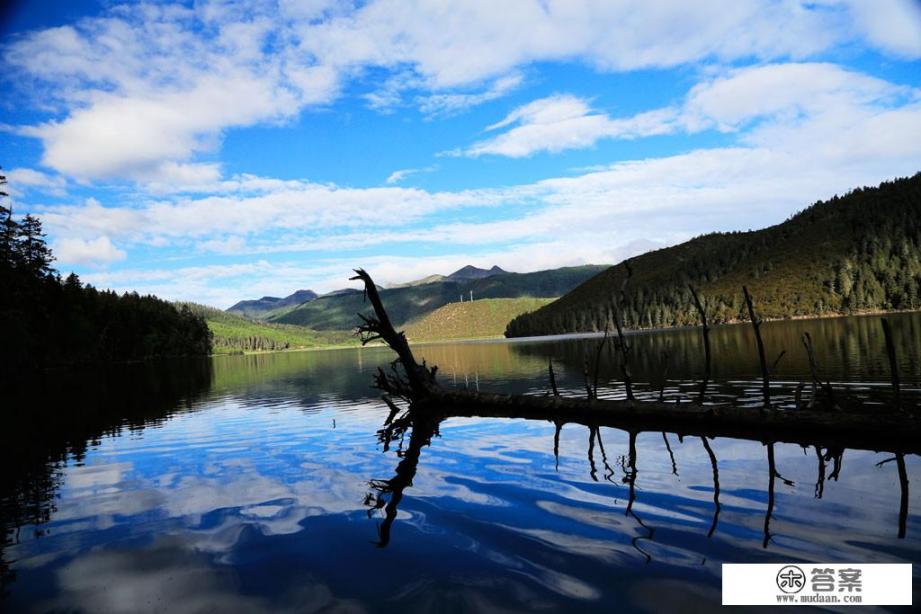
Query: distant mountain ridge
[
  {"x": 464, "y": 273},
  {"x": 267, "y": 305},
  {"x": 858, "y": 252},
  {"x": 406, "y": 302},
  {"x": 472, "y": 272}
]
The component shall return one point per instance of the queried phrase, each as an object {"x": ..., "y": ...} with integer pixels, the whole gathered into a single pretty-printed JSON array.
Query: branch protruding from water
[
  {"x": 756, "y": 325},
  {"x": 419, "y": 379},
  {"x": 705, "y": 333},
  {"x": 893, "y": 363}
]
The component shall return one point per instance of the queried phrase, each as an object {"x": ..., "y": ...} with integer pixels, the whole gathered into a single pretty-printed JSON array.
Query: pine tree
[
  {"x": 9, "y": 229},
  {"x": 35, "y": 253}
]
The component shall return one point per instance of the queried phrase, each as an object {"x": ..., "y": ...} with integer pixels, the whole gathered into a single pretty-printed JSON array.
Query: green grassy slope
[
  {"x": 405, "y": 304},
  {"x": 858, "y": 252},
  {"x": 471, "y": 320},
  {"x": 233, "y": 333}
]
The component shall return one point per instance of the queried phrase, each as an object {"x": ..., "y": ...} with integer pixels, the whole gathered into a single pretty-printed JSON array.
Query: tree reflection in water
[
  {"x": 420, "y": 427},
  {"x": 56, "y": 416}
]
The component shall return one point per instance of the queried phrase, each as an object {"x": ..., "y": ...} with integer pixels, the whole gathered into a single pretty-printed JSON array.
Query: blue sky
[{"x": 213, "y": 151}]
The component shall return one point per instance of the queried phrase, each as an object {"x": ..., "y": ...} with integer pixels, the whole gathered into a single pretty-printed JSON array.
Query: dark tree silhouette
[
  {"x": 47, "y": 321},
  {"x": 34, "y": 253}
]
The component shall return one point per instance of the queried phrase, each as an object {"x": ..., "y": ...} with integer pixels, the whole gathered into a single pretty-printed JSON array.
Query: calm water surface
[{"x": 260, "y": 483}]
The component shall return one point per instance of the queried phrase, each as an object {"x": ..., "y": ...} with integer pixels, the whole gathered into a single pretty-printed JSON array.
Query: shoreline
[
  {"x": 576, "y": 335},
  {"x": 823, "y": 316}
]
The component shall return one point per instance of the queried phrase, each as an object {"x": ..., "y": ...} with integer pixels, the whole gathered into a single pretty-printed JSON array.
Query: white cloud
[
  {"x": 21, "y": 180},
  {"x": 399, "y": 175},
  {"x": 852, "y": 130},
  {"x": 893, "y": 26},
  {"x": 776, "y": 109},
  {"x": 228, "y": 245},
  {"x": 255, "y": 206},
  {"x": 98, "y": 251},
  {"x": 143, "y": 138},
  {"x": 789, "y": 94},
  {"x": 441, "y": 105},
  {"x": 171, "y": 574},
  {"x": 791, "y": 91},
  {"x": 219, "y": 285},
  {"x": 599, "y": 217},
  {"x": 185, "y": 75},
  {"x": 563, "y": 122},
  {"x": 460, "y": 45},
  {"x": 182, "y": 77}
]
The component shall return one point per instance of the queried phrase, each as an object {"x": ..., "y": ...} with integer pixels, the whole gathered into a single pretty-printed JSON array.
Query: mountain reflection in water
[{"x": 246, "y": 483}]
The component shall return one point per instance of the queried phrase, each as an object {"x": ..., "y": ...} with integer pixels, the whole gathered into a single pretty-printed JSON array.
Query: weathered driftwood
[{"x": 877, "y": 430}]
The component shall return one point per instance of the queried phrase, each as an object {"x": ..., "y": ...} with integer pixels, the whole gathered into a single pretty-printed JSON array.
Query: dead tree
[
  {"x": 829, "y": 395},
  {"x": 589, "y": 393},
  {"x": 601, "y": 345},
  {"x": 429, "y": 404},
  {"x": 705, "y": 333},
  {"x": 893, "y": 363},
  {"x": 622, "y": 345},
  {"x": 553, "y": 387},
  {"x": 756, "y": 325},
  {"x": 417, "y": 381},
  {"x": 892, "y": 431}
]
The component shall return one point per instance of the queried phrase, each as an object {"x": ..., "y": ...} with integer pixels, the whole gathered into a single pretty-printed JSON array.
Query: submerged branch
[
  {"x": 601, "y": 345},
  {"x": 756, "y": 325},
  {"x": 705, "y": 332},
  {"x": 829, "y": 393},
  {"x": 553, "y": 387},
  {"x": 893, "y": 363}
]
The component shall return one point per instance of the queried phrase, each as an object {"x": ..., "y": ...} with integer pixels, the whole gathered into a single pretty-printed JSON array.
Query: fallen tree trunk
[
  {"x": 863, "y": 431},
  {"x": 877, "y": 430}
]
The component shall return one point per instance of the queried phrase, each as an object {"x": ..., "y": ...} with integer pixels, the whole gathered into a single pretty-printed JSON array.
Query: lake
[{"x": 263, "y": 482}]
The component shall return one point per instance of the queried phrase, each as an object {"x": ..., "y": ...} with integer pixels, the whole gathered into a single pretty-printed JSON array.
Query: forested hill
[
  {"x": 48, "y": 321},
  {"x": 857, "y": 252},
  {"x": 338, "y": 311}
]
